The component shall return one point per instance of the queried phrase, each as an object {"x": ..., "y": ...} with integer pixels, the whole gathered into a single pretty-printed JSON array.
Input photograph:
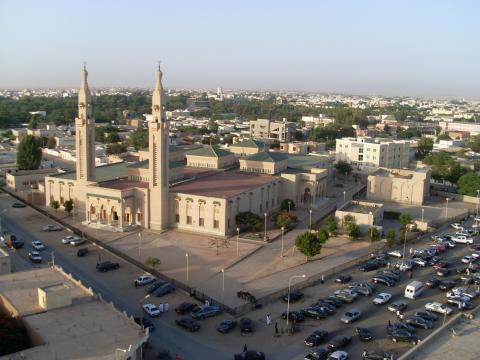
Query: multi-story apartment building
[
  {"x": 472, "y": 128},
  {"x": 368, "y": 154},
  {"x": 266, "y": 129}
]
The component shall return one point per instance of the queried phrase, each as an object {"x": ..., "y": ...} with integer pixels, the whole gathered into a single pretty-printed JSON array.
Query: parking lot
[{"x": 118, "y": 286}]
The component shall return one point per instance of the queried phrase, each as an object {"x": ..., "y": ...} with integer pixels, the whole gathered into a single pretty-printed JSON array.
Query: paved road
[{"x": 115, "y": 286}]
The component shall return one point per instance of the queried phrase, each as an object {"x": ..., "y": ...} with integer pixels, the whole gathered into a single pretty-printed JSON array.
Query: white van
[{"x": 414, "y": 289}]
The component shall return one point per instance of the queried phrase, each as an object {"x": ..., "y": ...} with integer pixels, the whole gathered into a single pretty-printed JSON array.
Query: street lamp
[
  {"x": 283, "y": 230},
  {"x": 186, "y": 256},
  {"x": 265, "y": 235},
  {"x": 310, "y": 212},
  {"x": 344, "y": 196},
  {"x": 478, "y": 192},
  {"x": 223, "y": 282},
  {"x": 289, "y": 203},
  {"x": 139, "y": 245},
  {"x": 404, "y": 244},
  {"x": 446, "y": 208},
  {"x": 238, "y": 235},
  {"x": 423, "y": 213},
  {"x": 288, "y": 297}
]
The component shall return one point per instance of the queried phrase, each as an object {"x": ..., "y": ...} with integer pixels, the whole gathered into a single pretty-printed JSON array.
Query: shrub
[{"x": 285, "y": 219}]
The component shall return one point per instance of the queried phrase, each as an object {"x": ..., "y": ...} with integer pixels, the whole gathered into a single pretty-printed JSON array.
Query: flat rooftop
[
  {"x": 360, "y": 208},
  {"x": 123, "y": 184},
  {"x": 102, "y": 173},
  {"x": 223, "y": 184},
  {"x": 87, "y": 329}
]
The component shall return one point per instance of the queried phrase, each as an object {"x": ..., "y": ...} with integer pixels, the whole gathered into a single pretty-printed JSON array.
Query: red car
[
  {"x": 440, "y": 247},
  {"x": 440, "y": 265}
]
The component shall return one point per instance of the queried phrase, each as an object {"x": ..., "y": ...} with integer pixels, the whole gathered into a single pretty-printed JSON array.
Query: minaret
[
  {"x": 158, "y": 143},
  {"x": 85, "y": 132}
]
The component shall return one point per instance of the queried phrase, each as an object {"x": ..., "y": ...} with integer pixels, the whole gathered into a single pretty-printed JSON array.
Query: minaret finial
[{"x": 84, "y": 65}]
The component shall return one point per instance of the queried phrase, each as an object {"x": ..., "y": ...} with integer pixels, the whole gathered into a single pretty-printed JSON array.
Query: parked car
[
  {"x": 185, "y": 308},
  {"x": 443, "y": 272},
  {"x": 316, "y": 337},
  {"x": 420, "y": 262},
  {"x": 105, "y": 266},
  {"x": 144, "y": 280},
  {"x": 151, "y": 288},
  {"x": 446, "y": 285},
  {"x": 67, "y": 239},
  {"x": 405, "y": 336},
  {"x": 467, "y": 259},
  {"x": 457, "y": 226},
  {"x": 426, "y": 315},
  {"x": 380, "y": 279},
  {"x": 364, "y": 334},
  {"x": 395, "y": 253},
  {"x": 332, "y": 300},
  {"x": 188, "y": 324},
  {"x": 314, "y": 312},
  {"x": 418, "y": 321},
  {"x": 164, "y": 289},
  {"x": 77, "y": 241},
  {"x": 338, "y": 355},
  {"x": 376, "y": 355},
  {"x": 205, "y": 311},
  {"x": 38, "y": 245},
  {"x": 51, "y": 228},
  {"x": 317, "y": 354},
  {"x": 343, "y": 279},
  {"x": 461, "y": 239},
  {"x": 369, "y": 266},
  {"x": 339, "y": 342},
  {"x": 462, "y": 291},
  {"x": 294, "y": 296},
  {"x": 362, "y": 290},
  {"x": 346, "y": 295},
  {"x": 250, "y": 355},
  {"x": 82, "y": 252},
  {"x": 400, "y": 326},
  {"x": 18, "y": 205},
  {"x": 397, "y": 306},
  {"x": 382, "y": 298},
  {"x": 433, "y": 282},
  {"x": 226, "y": 325},
  {"x": 350, "y": 316},
  {"x": 145, "y": 323},
  {"x": 35, "y": 257},
  {"x": 293, "y": 316},
  {"x": 246, "y": 325},
  {"x": 438, "y": 307},
  {"x": 151, "y": 310}
]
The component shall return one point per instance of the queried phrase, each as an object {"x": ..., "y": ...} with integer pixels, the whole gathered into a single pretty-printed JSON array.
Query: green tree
[
  {"x": 405, "y": 219},
  {"x": 348, "y": 219},
  {"x": 287, "y": 204},
  {"x": 353, "y": 230},
  {"x": 33, "y": 123},
  {"x": 373, "y": 234},
  {"x": 474, "y": 143},
  {"x": 51, "y": 143},
  {"x": 308, "y": 244},
  {"x": 390, "y": 238},
  {"x": 343, "y": 168},
  {"x": 468, "y": 184},
  {"x": 68, "y": 206},
  {"x": 331, "y": 223},
  {"x": 476, "y": 165},
  {"x": 116, "y": 148},
  {"x": 285, "y": 219},
  {"x": 152, "y": 262},
  {"x": 55, "y": 204},
  {"x": 322, "y": 235},
  {"x": 443, "y": 137},
  {"x": 139, "y": 139},
  {"x": 29, "y": 153},
  {"x": 424, "y": 147},
  {"x": 249, "y": 219}
]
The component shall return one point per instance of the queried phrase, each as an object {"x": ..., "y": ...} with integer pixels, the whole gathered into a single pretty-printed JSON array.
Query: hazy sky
[{"x": 400, "y": 47}]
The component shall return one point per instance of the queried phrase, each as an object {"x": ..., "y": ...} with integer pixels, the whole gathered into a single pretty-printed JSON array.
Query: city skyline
[{"x": 334, "y": 47}]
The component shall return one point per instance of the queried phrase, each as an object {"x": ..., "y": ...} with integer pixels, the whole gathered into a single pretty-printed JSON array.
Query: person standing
[
  {"x": 276, "y": 328},
  {"x": 245, "y": 348}
]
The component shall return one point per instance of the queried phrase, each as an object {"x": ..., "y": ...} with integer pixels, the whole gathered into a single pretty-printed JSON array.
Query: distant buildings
[
  {"x": 269, "y": 130},
  {"x": 320, "y": 120},
  {"x": 470, "y": 127},
  {"x": 398, "y": 185},
  {"x": 368, "y": 154}
]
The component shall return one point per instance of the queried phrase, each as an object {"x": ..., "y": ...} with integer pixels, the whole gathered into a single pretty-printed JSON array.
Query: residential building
[
  {"x": 320, "y": 120},
  {"x": 368, "y": 154},
  {"x": 269, "y": 130},
  {"x": 363, "y": 213},
  {"x": 399, "y": 185},
  {"x": 64, "y": 319},
  {"x": 446, "y": 144},
  {"x": 471, "y": 127}
]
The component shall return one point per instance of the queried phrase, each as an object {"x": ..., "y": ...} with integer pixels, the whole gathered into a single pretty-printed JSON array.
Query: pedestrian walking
[
  {"x": 276, "y": 328},
  {"x": 207, "y": 303},
  {"x": 269, "y": 320},
  {"x": 245, "y": 348},
  {"x": 389, "y": 323},
  {"x": 411, "y": 251},
  {"x": 410, "y": 274},
  {"x": 323, "y": 279},
  {"x": 166, "y": 306}
]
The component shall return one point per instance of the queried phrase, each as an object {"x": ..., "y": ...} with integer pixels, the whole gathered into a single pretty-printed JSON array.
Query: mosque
[{"x": 203, "y": 194}]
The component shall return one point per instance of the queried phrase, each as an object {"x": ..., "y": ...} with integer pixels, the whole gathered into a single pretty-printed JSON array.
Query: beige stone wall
[
  {"x": 237, "y": 149},
  {"x": 64, "y": 189},
  {"x": 363, "y": 219},
  {"x": 305, "y": 188},
  {"x": 210, "y": 162},
  {"x": 19, "y": 181}
]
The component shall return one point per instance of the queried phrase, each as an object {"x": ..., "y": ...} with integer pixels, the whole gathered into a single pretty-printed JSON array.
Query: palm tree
[{"x": 153, "y": 262}]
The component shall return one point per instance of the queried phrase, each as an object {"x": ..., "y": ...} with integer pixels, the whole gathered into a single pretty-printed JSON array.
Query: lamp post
[
  {"x": 288, "y": 297},
  {"x": 423, "y": 213},
  {"x": 310, "y": 212},
  {"x": 283, "y": 230},
  {"x": 344, "y": 196},
  {"x": 478, "y": 192},
  {"x": 186, "y": 256},
  {"x": 238, "y": 235},
  {"x": 289, "y": 204},
  {"x": 404, "y": 245},
  {"x": 265, "y": 234},
  {"x": 446, "y": 208},
  {"x": 223, "y": 283}
]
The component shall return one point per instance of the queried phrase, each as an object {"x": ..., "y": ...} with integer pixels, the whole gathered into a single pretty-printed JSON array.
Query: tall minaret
[
  {"x": 158, "y": 143},
  {"x": 85, "y": 132}
]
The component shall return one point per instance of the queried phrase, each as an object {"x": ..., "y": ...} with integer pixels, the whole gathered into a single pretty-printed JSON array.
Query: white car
[
  {"x": 338, "y": 355},
  {"x": 439, "y": 308},
  {"x": 151, "y": 310},
  {"x": 77, "y": 241},
  {"x": 477, "y": 218},
  {"x": 420, "y": 262},
  {"x": 144, "y": 280},
  {"x": 476, "y": 254},
  {"x": 476, "y": 226},
  {"x": 451, "y": 295},
  {"x": 67, "y": 239},
  {"x": 38, "y": 245},
  {"x": 395, "y": 253},
  {"x": 468, "y": 259},
  {"x": 462, "y": 239},
  {"x": 461, "y": 291},
  {"x": 382, "y": 298},
  {"x": 457, "y": 226}
]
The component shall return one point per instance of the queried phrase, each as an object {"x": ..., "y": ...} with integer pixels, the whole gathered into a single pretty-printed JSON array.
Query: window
[
  {"x": 177, "y": 218},
  {"x": 360, "y": 157},
  {"x": 201, "y": 222},
  {"x": 360, "y": 150},
  {"x": 216, "y": 224},
  {"x": 189, "y": 220}
]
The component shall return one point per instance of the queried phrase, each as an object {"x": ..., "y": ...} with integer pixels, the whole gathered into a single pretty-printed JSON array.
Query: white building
[
  {"x": 265, "y": 129},
  {"x": 368, "y": 154},
  {"x": 472, "y": 128}
]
